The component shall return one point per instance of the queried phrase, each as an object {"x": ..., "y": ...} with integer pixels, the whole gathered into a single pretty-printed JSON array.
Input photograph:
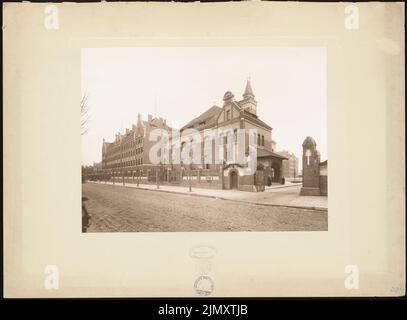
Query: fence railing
[
  {"x": 163, "y": 175},
  {"x": 167, "y": 176}
]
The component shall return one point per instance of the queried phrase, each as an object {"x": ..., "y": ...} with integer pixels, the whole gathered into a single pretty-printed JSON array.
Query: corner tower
[{"x": 248, "y": 103}]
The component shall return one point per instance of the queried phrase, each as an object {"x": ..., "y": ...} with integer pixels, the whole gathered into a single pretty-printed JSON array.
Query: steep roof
[
  {"x": 250, "y": 116},
  {"x": 261, "y": 153},
  {"x": 206, "y": 118}
]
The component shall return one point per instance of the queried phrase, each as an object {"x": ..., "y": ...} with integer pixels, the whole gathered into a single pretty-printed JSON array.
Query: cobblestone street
[{"x": 123, "y": 209}]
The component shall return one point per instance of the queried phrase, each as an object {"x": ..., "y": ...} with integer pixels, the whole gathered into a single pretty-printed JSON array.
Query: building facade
[
  {"x": 234, "y": 115},
  {"x": 131, "y": 150},
  {"x": 290, "y": 166}
]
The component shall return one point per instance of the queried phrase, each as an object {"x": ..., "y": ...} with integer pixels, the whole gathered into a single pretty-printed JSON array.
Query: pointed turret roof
[{"x": 248, "y": 91}]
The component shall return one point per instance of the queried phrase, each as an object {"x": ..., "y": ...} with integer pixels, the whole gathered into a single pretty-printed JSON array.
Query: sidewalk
[
  {"x": 287, "y": 195},
  {"x": 286, "y": 185}
]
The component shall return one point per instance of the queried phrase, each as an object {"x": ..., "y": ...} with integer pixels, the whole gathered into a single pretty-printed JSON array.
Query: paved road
[{"x": 121, "y": 209}]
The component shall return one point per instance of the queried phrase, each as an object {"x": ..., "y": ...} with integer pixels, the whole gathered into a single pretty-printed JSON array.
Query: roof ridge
[{"x": 208, "y": 114}]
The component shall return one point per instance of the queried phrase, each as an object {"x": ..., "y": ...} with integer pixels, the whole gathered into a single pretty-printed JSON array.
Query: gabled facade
[
  {"x": 240, "y": 114},
  {"x": 131, "y": 148}
]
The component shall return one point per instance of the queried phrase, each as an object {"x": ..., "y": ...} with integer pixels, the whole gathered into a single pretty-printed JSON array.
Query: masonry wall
[
  {"x": 323, "y": 180},
  {"x": 323, "y": 185}
]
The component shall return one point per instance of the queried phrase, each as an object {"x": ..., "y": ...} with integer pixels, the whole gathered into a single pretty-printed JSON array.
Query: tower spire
[
  {"x": 248, "y": 92},
  {"x": 248, "y": 103}
]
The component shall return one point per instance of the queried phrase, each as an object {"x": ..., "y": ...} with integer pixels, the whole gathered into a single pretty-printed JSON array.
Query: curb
[
  {"x": 223, "y": 198},
  {"x": 283, "y": 187}
]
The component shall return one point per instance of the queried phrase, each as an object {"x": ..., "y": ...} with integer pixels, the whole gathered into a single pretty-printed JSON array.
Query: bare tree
[{"x": 84, "y": 114}]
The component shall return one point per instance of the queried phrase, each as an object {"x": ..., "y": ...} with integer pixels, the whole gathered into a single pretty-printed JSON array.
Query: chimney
[
  {"x": 127, "y": 131},
  {"x": 150, "y": 117}
]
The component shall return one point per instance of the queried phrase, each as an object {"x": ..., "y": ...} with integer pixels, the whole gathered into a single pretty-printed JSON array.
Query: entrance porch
[{"x": 272, "y": 164}]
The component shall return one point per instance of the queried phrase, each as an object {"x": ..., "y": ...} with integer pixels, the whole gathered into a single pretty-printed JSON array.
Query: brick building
[
  {"x": 131, "y": 148},
  {"x": 241, "y": 114},
  {"x": 290, "y": 165},
  {"x": 130, "y": 151}
]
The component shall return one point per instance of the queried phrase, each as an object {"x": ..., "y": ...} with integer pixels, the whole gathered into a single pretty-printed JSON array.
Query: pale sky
[{"x": 179, "y": 84}]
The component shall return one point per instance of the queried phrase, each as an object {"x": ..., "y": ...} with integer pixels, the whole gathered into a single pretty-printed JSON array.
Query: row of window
[
  {"x": 137, "y": 151},
  {"x": 127, "y": 145},
  {"x": 128, "y": 153},
  {"x": 130, "y": 163},
  {"x": 260, "y": 140}
]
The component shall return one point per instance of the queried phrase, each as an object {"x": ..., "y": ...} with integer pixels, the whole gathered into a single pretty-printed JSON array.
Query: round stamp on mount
[
  {"x": 204, "y": 286},
  {"x": 202, "y": 252}
]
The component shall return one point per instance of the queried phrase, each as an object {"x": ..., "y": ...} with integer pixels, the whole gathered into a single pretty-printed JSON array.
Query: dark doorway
[
  {"x": 276, "y": 175},
  {"x": 233, "y": 180}
]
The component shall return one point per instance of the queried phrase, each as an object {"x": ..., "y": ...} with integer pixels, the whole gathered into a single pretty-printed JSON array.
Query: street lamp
[
  {"x": 138, "y": 175},
  {"x": 156, "y": 179},
  {"x": 190, "y": 178}
]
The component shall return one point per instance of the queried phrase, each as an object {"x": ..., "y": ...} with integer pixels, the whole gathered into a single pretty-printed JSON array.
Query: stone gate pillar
[{"x": 310, "y": 168}]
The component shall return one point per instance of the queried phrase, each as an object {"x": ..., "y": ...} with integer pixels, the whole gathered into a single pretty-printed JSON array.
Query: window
[
  {"x": 258, "y": 140},
  {"x": 228, "y": 115},
  {"x": 262, "y": 141}
]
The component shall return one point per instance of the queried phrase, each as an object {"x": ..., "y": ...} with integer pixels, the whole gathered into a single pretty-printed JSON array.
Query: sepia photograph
[
  {"x": 204, "y": 139},
  {"x": 167, "y": 150}
]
